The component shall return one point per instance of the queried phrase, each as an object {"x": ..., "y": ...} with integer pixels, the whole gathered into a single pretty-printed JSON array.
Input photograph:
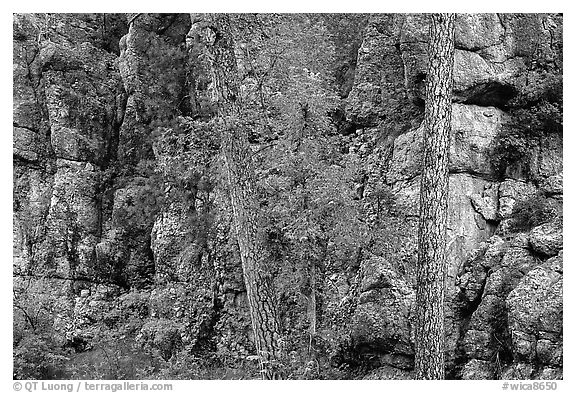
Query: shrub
[
  {"x": 36, "y": 356},
  {"x": 531, "y": 212},
  {"x": 536, "y": 111},
  {"x": 511, "y": 148},
  {"x": 162, "y": 335}
]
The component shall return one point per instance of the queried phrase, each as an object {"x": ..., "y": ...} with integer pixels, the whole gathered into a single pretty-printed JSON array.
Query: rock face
[
  {"x": 384, "y": 315},
  {"x": 491, "y": 51},
  {"x": 485, "y": 271},
  {"x": 378, "y": 91},
  {"x": 89, "y": 92},
  {"x": 546, "y": 239},
  {"x": 68, "y": 104},
  {"x": 535, "y": 315},
  {"x": 109, "y": 243},
  {"x": 486, "y": 290}
]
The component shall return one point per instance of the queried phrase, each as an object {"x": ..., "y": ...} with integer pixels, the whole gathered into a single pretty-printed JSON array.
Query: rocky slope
[{"x": 95, "y": 241}]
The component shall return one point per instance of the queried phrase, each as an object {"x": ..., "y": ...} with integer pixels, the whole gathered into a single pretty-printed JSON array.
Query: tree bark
[
  {"x": 237, "y": 154},
  {"x": 431, "y": 271}
]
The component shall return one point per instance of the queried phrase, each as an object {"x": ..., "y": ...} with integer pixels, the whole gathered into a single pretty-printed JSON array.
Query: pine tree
[
  {"x": 219, "y": 45},
  {"x": 431, "y": 269}
]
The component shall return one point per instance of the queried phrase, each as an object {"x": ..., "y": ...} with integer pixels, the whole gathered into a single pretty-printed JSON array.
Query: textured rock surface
[
  {"x": 473, "y": 131},
  {"x": 487, "y": 326},
  {"x": 547, "y": 238},
  {"x": 378, "y": 92},
  {"x": 509, "y": 192},
  {"x": 535, "y": 315},
  {"x": 384, "y": 316},
  {"x": 479, "y": 369},
  {"x": 72, "y": 112},
  {"x": 492, "y": 53}
]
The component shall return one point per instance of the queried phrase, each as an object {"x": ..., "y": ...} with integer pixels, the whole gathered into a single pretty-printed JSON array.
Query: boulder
[
  {"x": 553, "y": 185},
  {"x": 474, "y": 32},
  {"x": 27, "y": 144},
  {"x": 510, "y": 192},
  {"x": 472, "y": 277},
  {"x": 506, "y": 265},
  {"x": 474, "y": 129},
  {"x": 547, "y": 238},
  {"x": 486, "y": 203},
  {"x": 550, "y": 373},
  {"x": 382, "y": 322},
  {"x": 518, "y": 371},
  {"x": 479, "y": 369},
  {"x": 535, "y": 316}
]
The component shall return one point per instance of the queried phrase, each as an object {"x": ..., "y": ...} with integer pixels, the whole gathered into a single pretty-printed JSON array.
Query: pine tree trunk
[
  {"x": 239, "y": 172},
  {"x": 431, "y": 270}
]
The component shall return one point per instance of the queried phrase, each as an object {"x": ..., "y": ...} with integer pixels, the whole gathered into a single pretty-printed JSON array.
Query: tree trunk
[
  {"x": 219, "y": 44},
  {"x": 431, "y": 270}
]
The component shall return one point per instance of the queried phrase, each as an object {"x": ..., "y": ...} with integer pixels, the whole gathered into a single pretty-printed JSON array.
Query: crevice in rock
[
  {"x": 470, "y": 307},
  {"x": 343, "y": 125},
  {"x": 54, "y": 276},
  {"x": 489, "y": 94},
  {"x": 16, "y": 125},
  {"x": 32, "y": 164},
  {"x": 111, "y": 38},
  {"x": 162, "y": 29},
  {"x": 477, "y": 175}
]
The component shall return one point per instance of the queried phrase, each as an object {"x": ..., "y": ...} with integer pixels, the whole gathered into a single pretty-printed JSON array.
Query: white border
[{"x": 292, "y": 6}]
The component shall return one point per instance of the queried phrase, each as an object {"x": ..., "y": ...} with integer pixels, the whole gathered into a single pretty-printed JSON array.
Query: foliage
[
  {"x": 111, "y": 358},
  {"x": 536, "y": 111},
  {"x": 531, "y": 212},
  {"x": 185, "y": 153},
  {"x": 33, "y": 301},
  {"x": 511, "y": 148},
  {"x": 345, "y": 32},
  {"x": 35, "y": 352},
  {"x": 37, "y": 356},
  {"x": 162, "y": 335}
]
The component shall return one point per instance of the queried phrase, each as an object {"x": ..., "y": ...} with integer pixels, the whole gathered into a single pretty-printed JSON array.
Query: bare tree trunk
[
  {"x": 431, "y": 270},
  {"x": 216, "y": 31}
]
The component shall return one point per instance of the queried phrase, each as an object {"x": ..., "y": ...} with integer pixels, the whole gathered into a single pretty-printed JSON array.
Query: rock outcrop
[
  {"x": 67, "y": 99},
  {"x": 493, "y": 53}
]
